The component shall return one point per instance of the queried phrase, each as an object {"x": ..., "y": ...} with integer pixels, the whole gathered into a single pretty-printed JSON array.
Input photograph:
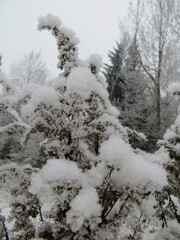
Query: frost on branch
[
  {"x": 23, "y": 205},
  {"x": 9, "y": 106},
  {"x": 66, "y": 42},
  {"x": 6, "y": 84}
]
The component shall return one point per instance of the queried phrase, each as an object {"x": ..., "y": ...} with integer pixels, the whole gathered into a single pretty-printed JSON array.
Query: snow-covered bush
[
  {"x": 23, "y": 205},
  {"x": 12, "y": 125},
  {"x": 170, "y": 199},
  {"x": 94, "y": 185},
  {"x": 171, "y": 142}
]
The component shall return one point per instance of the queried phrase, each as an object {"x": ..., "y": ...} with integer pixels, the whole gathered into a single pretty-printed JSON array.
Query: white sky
[{"x": 94, "y": 21}]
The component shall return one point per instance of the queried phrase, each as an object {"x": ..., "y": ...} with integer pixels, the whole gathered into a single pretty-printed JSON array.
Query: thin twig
[{"x": 2, "y": 219}]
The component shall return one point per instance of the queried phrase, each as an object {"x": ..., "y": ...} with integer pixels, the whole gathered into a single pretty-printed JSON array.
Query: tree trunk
[
  {"x": 158, "y": 106},
  {"x": 160, "y": 58}
]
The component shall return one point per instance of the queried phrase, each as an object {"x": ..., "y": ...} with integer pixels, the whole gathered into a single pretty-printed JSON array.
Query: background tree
[
  {"x": 11, "y": 147},
  {"x": 129, "y": 92},
  {"x": 31, "y": 69},
  {"x": 154, "y": 37},
  {"x": 156, "y": 56},
  {"x": 114, "y": 73},
  {"x": 28, "y": 71}
]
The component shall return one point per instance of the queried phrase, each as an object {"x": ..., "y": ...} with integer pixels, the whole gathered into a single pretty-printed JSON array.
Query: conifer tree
[
  {"x": 128, "y": 92},
  {"x": 114, "y": 74}
]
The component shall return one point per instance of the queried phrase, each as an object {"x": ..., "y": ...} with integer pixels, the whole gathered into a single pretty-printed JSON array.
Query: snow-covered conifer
[{"x": 128, "y": 91}]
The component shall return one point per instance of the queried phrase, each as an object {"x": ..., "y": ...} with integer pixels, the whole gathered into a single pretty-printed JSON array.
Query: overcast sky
[{"x": 94, "y": 21}]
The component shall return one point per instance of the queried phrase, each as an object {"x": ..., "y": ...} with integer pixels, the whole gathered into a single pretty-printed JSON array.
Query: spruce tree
[
  {"x": 134, "y": 107},
  {"x": 128, "y": 92},
  {"x": 114, "y": 74}
]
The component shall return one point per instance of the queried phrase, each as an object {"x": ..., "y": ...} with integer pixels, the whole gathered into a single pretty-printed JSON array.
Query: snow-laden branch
[
  {"x": 66, "y": 42},
  {"x": 13, "y": 125}
]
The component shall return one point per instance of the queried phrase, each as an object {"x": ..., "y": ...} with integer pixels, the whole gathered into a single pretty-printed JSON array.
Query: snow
[
  {"x": 6, "y": 83},
  {"x": 84, "y": 206},
  {"x": 59, "y": 169},
  {"x": 10, "y": 126},
  {"x": 70, "y": 34},
  {"x": 82, "y": 82},
  {"x": 95, "y": 176},
  {"x": 49, "y": 20},
  {"x": 169, "y": 135},
  {"x": 174, "y": 88},
  {"x": 103, "y": 81},
  {"x": 4, "y": 203},
  {"x": 170, "y": 233},
  {"x": 43, "y": 94},
  {"x": 58, "y": 82},
  {"x": 96, "y": 60},
  {"x": 55, "y": 172},
  {"x": 52, "y": 22},
  {"x": 134, "y": 169}
]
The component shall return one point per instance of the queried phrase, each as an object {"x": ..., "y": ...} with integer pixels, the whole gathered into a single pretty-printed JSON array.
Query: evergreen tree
[
  {"x": 128, "y": 92},
  {"x": 133, "y": 108},
  {"x": 114, "y": 74}
]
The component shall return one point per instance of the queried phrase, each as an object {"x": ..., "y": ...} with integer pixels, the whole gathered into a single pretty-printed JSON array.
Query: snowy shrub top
[
  {"x": 95, "y": 60},
  {"x": 60, "y": 170},
  {"x": 70, "y": 34},
  {"x": 66, "y": 42},
  {"x": 174, "y": 89},
  {"x": 45, "y": 95},
  {"x": 49, "y": 20},
  {"x": 82, "y": 82},
  {"x": 134, "y": 169}
]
